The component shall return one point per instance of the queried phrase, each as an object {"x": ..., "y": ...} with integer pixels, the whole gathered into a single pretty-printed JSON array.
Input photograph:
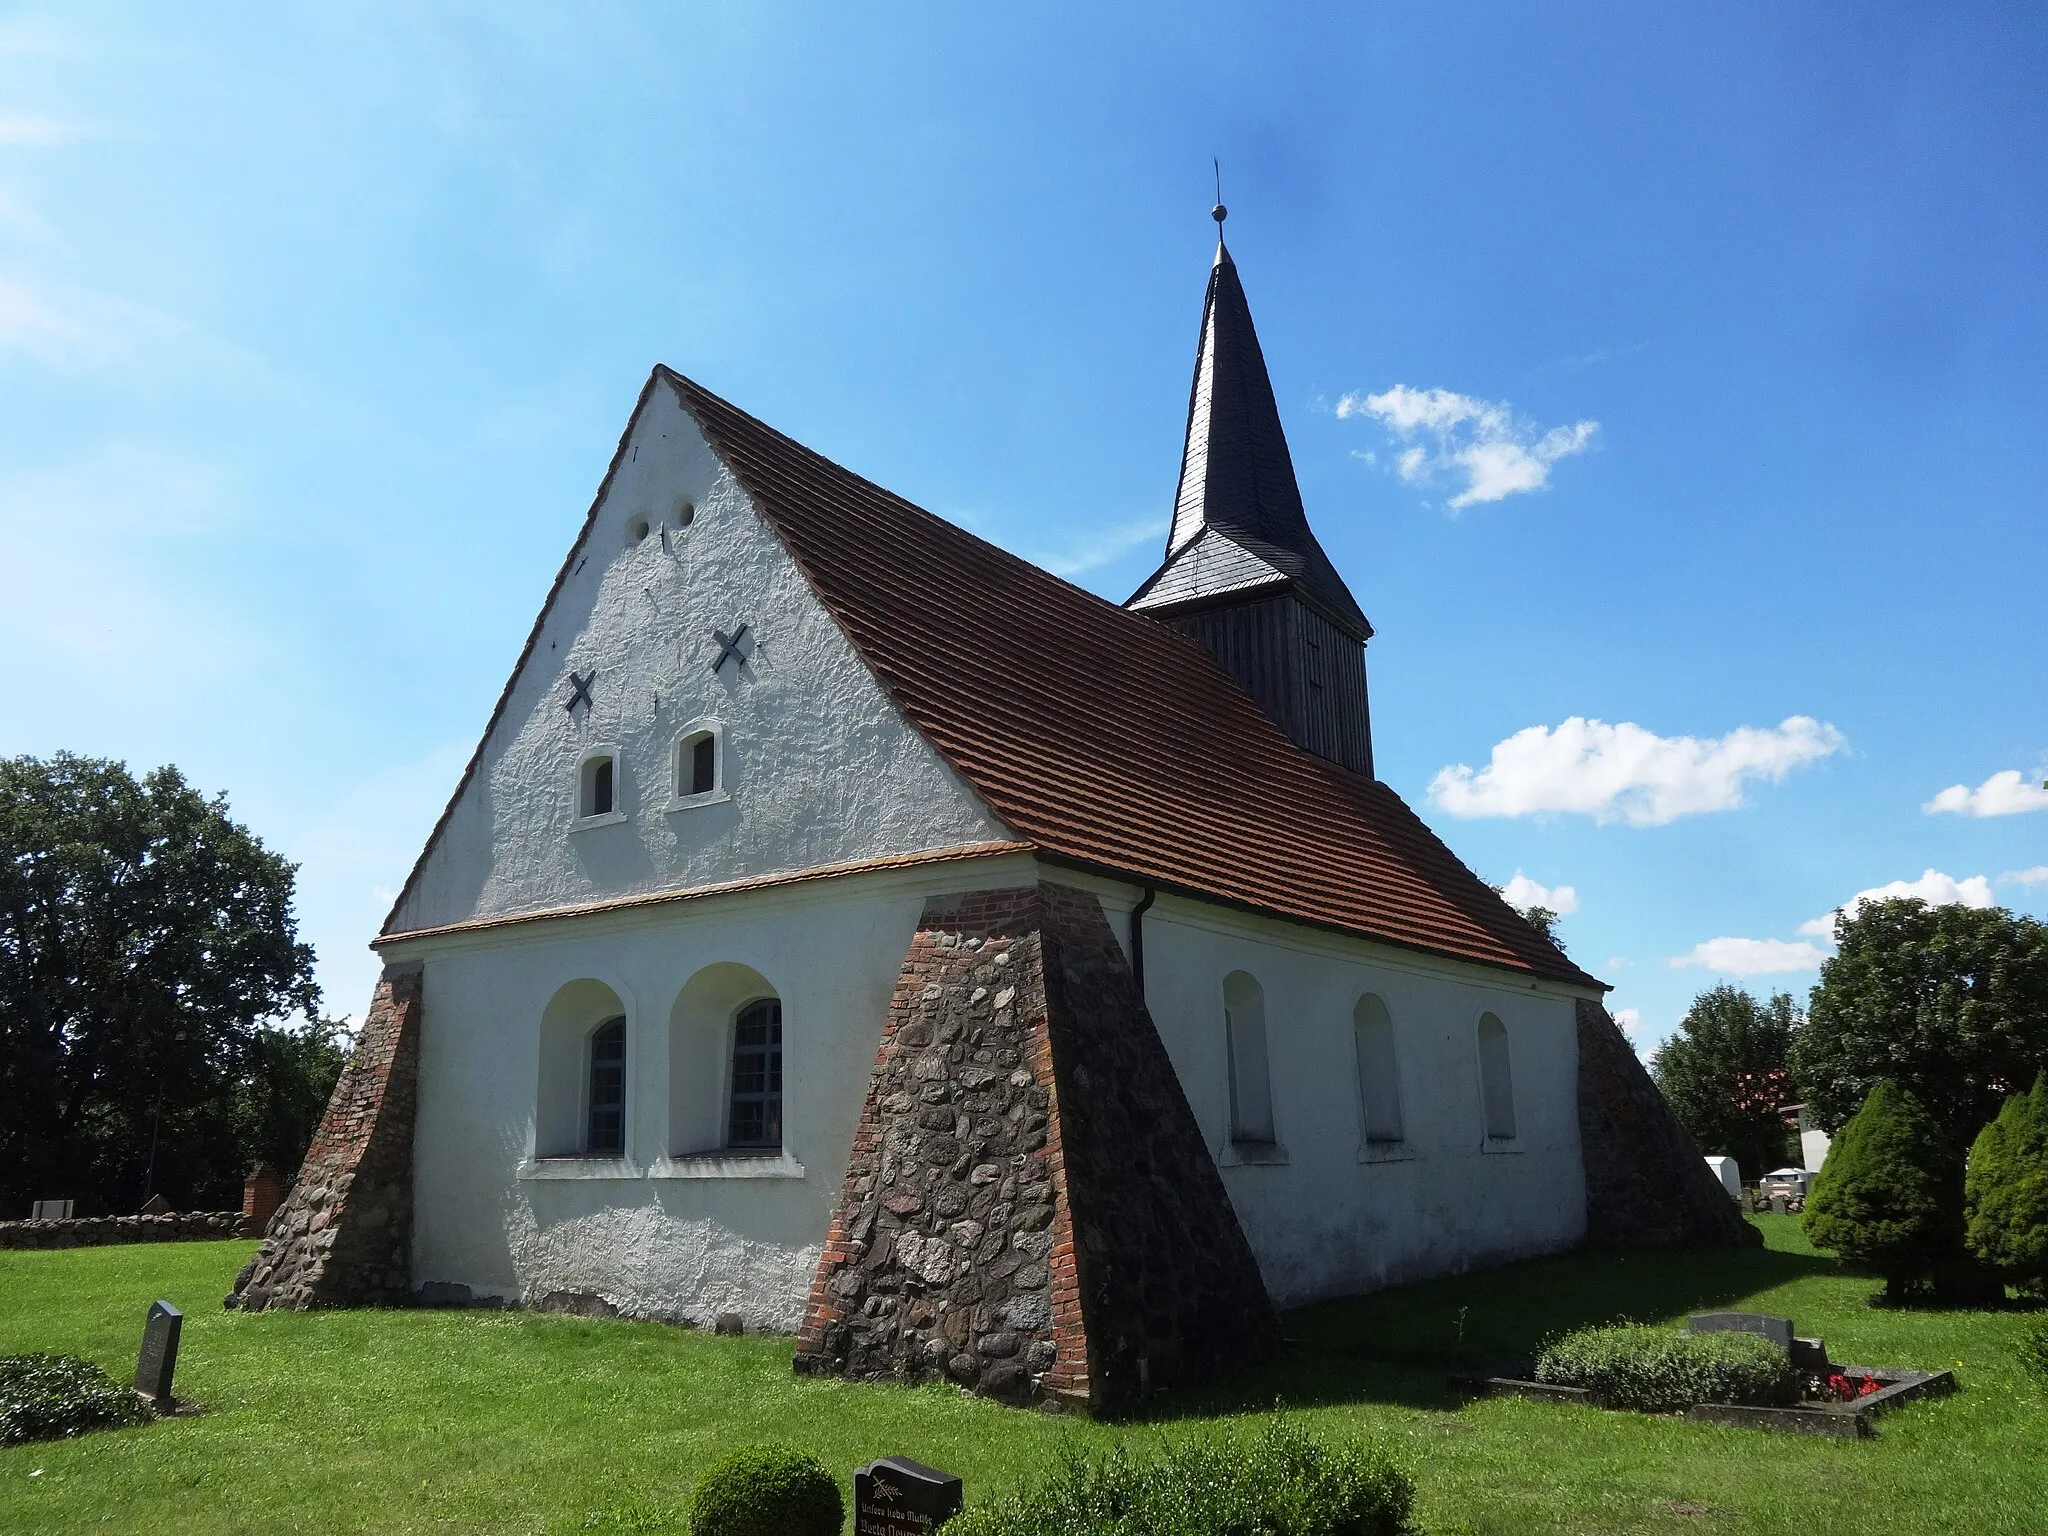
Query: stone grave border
[{"x": 1841, "y": 1421}]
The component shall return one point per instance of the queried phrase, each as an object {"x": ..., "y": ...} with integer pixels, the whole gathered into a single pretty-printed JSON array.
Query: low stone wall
[{"x": 97, "y": 1231}]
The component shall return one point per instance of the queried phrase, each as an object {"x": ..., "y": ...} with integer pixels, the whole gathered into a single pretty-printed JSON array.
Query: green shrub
[
  {"x": 766, "y": 1490},
  {"x": 1890, "y": 1193},
  {"x": 1276, "y": 1483},
  {"x": 1659, "y": 1370},
  {"x": 2005, "y": 1192},
  {"x": 49, "y": 1397}
]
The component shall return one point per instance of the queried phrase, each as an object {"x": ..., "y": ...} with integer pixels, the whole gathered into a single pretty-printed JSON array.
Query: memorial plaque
[
  {"x": 159, "y": 1354},
  {"x": 1777, "y": 1329},
  {"x": 900, "y": 1497},
  {"x": 50, "y": 1210}
]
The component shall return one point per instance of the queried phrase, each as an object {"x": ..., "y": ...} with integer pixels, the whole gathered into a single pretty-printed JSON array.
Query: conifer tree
[
  {"x": 2006, "y": 1190},
  {"x": 1890, "y": 1194}
]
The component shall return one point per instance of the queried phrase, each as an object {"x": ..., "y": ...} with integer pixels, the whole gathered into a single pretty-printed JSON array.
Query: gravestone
[
  {"x": 157, "y": 1205},
  {"x": 1777, "y": 1329},
  {"x": 50, "y": 1210},
  {"x": 1725, "y": 1170},
  {"x": 159, "y": 1356},
  {"x": 900, "y": 1497}
]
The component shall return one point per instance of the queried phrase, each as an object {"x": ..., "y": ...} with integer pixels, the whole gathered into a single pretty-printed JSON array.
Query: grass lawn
[{"x": 515, "y": 1422}]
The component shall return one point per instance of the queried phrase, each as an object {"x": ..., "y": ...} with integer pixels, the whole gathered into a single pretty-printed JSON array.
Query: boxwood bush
[
  {"x": 766, "y": 1490},
  {"x": 1276, "y": 1483},
  {"x": 49, "y": 1397},
  {"x": 1659, "y": 1370}
]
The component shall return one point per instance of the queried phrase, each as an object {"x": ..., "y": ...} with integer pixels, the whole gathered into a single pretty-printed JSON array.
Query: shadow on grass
[{"x": 1399, "y": 1346}]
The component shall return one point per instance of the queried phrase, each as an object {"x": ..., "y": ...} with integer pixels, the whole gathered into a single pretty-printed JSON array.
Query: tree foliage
[
  {"x": 1890, "y": 1193},
  {"x": 1724, "y": 1075},
  {"x": 1950, "y": 1002},
  {"x": 2005, "y": 1192},
  {"x": 145, "y": 940}
]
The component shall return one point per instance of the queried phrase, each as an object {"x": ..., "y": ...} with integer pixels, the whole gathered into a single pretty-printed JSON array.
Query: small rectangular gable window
[{"x": 703, "y": 765}]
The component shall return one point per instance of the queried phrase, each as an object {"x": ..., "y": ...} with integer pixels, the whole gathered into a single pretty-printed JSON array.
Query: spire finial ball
[{"x": 1219, "y": 213}]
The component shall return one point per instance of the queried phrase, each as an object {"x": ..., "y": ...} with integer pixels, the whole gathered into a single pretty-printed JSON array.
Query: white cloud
[
  {"x": 1933, "y": 887},
  {"x": 1625, "y": 773},
  {"x": 1751, "y": 957},
  {"x": 2003, "y": 794},
  {"x": 1074, "y": 554},
  {"x": 1496, "y": 453},
  {"x": 1522, "y": 893},
  {"x": 1630, "y": 1020},
  {"x": 2038, "y": 875}
]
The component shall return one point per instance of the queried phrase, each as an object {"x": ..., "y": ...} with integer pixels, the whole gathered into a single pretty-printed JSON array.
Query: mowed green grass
[{"x": 515, "y": 1422}]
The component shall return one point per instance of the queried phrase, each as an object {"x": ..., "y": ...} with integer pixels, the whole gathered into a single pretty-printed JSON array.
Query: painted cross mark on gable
[
  {"x": 729, "y": 649},
  {"x": 579, "y": 691}
]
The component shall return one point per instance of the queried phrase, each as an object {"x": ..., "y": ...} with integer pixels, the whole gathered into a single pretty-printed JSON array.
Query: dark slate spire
[{"x": 1238, "y": 522}]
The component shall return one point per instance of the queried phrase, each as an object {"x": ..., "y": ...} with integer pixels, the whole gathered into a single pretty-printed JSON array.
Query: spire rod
[{"x": 1219, "y": 213}]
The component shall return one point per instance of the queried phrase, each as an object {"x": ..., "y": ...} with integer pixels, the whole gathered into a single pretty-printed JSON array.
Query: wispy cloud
[
  {"x": 1482, "y": 443},
  {"x": 1751, "y": 957},
  {"x": 28, "y": 128},
  {"x": 2038, "y": 875},
  {"x": 1075, "y": 553},
  {"x": 1522, "y": 894},
  {"x": 2003, "y": 794},
  {"x": 1626, "y": 773}
]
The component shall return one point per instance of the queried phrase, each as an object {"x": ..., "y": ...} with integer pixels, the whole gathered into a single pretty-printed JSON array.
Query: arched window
[
  {"x": 697, "y": 764},
  {"x": 1379, "y": 1076},
  {"x": 597, "y": 786},
  {"x": 580, "y": 1078},
  {"x": 1251, "y": 1088},
  {"x": 754, "y": 1121},
  {"x": 1496, "y": 1079},
  {"x": 605, "y": 1130}
]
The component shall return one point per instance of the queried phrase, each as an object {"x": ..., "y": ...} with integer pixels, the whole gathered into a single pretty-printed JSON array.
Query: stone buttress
[
  {"x": 1029, "y": 1208},
  {"x": 341, "y": 1237},
  {"x": 1647, "y": 1185}
]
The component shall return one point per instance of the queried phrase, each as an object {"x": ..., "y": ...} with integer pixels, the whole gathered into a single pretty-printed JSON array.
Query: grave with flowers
[{"x": 1659, "y": 1371}]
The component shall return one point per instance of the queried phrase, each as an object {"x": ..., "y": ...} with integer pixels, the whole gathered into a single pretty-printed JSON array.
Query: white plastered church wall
[
  {"x": 820, "y": 766},
  {"x": 631, "y": 1230},
  {"x": 1323, "y": 1220},
  {"x": 820, "y": 769}
]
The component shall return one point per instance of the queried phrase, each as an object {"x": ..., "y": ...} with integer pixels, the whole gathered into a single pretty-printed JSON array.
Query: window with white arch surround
[
  {"x": 1496, "y": 1079},
  {"x": 1379, "y": 1075},
  {"x": 1251, "y": 1085}
]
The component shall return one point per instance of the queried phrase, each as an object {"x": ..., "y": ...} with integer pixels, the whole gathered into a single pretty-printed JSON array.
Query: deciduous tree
[
  {"x": 145, "y": 941},
  {"x": 1724, "y": 1076}
]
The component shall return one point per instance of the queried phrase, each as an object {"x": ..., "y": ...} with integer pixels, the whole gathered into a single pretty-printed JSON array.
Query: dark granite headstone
[
  {"x": 159, "y": 1354},
  {"x": 1777, "y": 1329},
  {"x": 900, "y": 1497}
]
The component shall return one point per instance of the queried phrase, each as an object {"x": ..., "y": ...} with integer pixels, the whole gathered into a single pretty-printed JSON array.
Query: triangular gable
[{"x": 818, "y": 768}]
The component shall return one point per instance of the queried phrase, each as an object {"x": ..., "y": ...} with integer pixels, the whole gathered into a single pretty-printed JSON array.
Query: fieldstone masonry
[
  {"x": 1029, "y": 1208},
  {"x": 1647, "y": 1185},
  {"x": 341, "y": 1238}
]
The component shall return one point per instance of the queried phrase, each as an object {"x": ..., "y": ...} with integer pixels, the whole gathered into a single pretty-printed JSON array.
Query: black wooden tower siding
[{"x": 1243, "y": 573}]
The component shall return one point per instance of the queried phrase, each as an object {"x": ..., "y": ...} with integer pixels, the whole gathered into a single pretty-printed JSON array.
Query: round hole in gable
[
  {"x": 686, "y": 512},
  {"x": 636, "y": 529}
]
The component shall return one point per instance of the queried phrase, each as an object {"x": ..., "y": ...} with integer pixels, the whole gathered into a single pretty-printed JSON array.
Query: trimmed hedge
[
  {"x": 1658, "y": 1370},
  {"x": 1278, "y": 1482},
  {"x": 52, "y": 1397},
  {"x": 766, "y": 1490}
]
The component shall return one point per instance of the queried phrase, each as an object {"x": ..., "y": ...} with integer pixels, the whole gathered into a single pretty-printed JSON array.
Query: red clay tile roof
[{"x": 1106, "y": 739}]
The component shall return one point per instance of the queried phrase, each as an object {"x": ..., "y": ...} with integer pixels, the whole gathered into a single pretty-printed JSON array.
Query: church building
[{"x": 848, "y": 925}]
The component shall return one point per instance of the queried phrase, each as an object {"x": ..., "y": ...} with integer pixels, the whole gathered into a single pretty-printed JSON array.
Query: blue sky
[{"x": 1666, "y": 381}]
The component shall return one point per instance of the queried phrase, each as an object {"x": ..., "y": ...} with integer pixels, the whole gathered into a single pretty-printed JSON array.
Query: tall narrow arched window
[
  {"x": 607, "y": 1125},
  {"x": 1379, "y": 1076},
  {"x": 754, "y": 1120},
  {"x": 1496, "y": 1079},
  {"x": 1251, "y": 1086}
]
